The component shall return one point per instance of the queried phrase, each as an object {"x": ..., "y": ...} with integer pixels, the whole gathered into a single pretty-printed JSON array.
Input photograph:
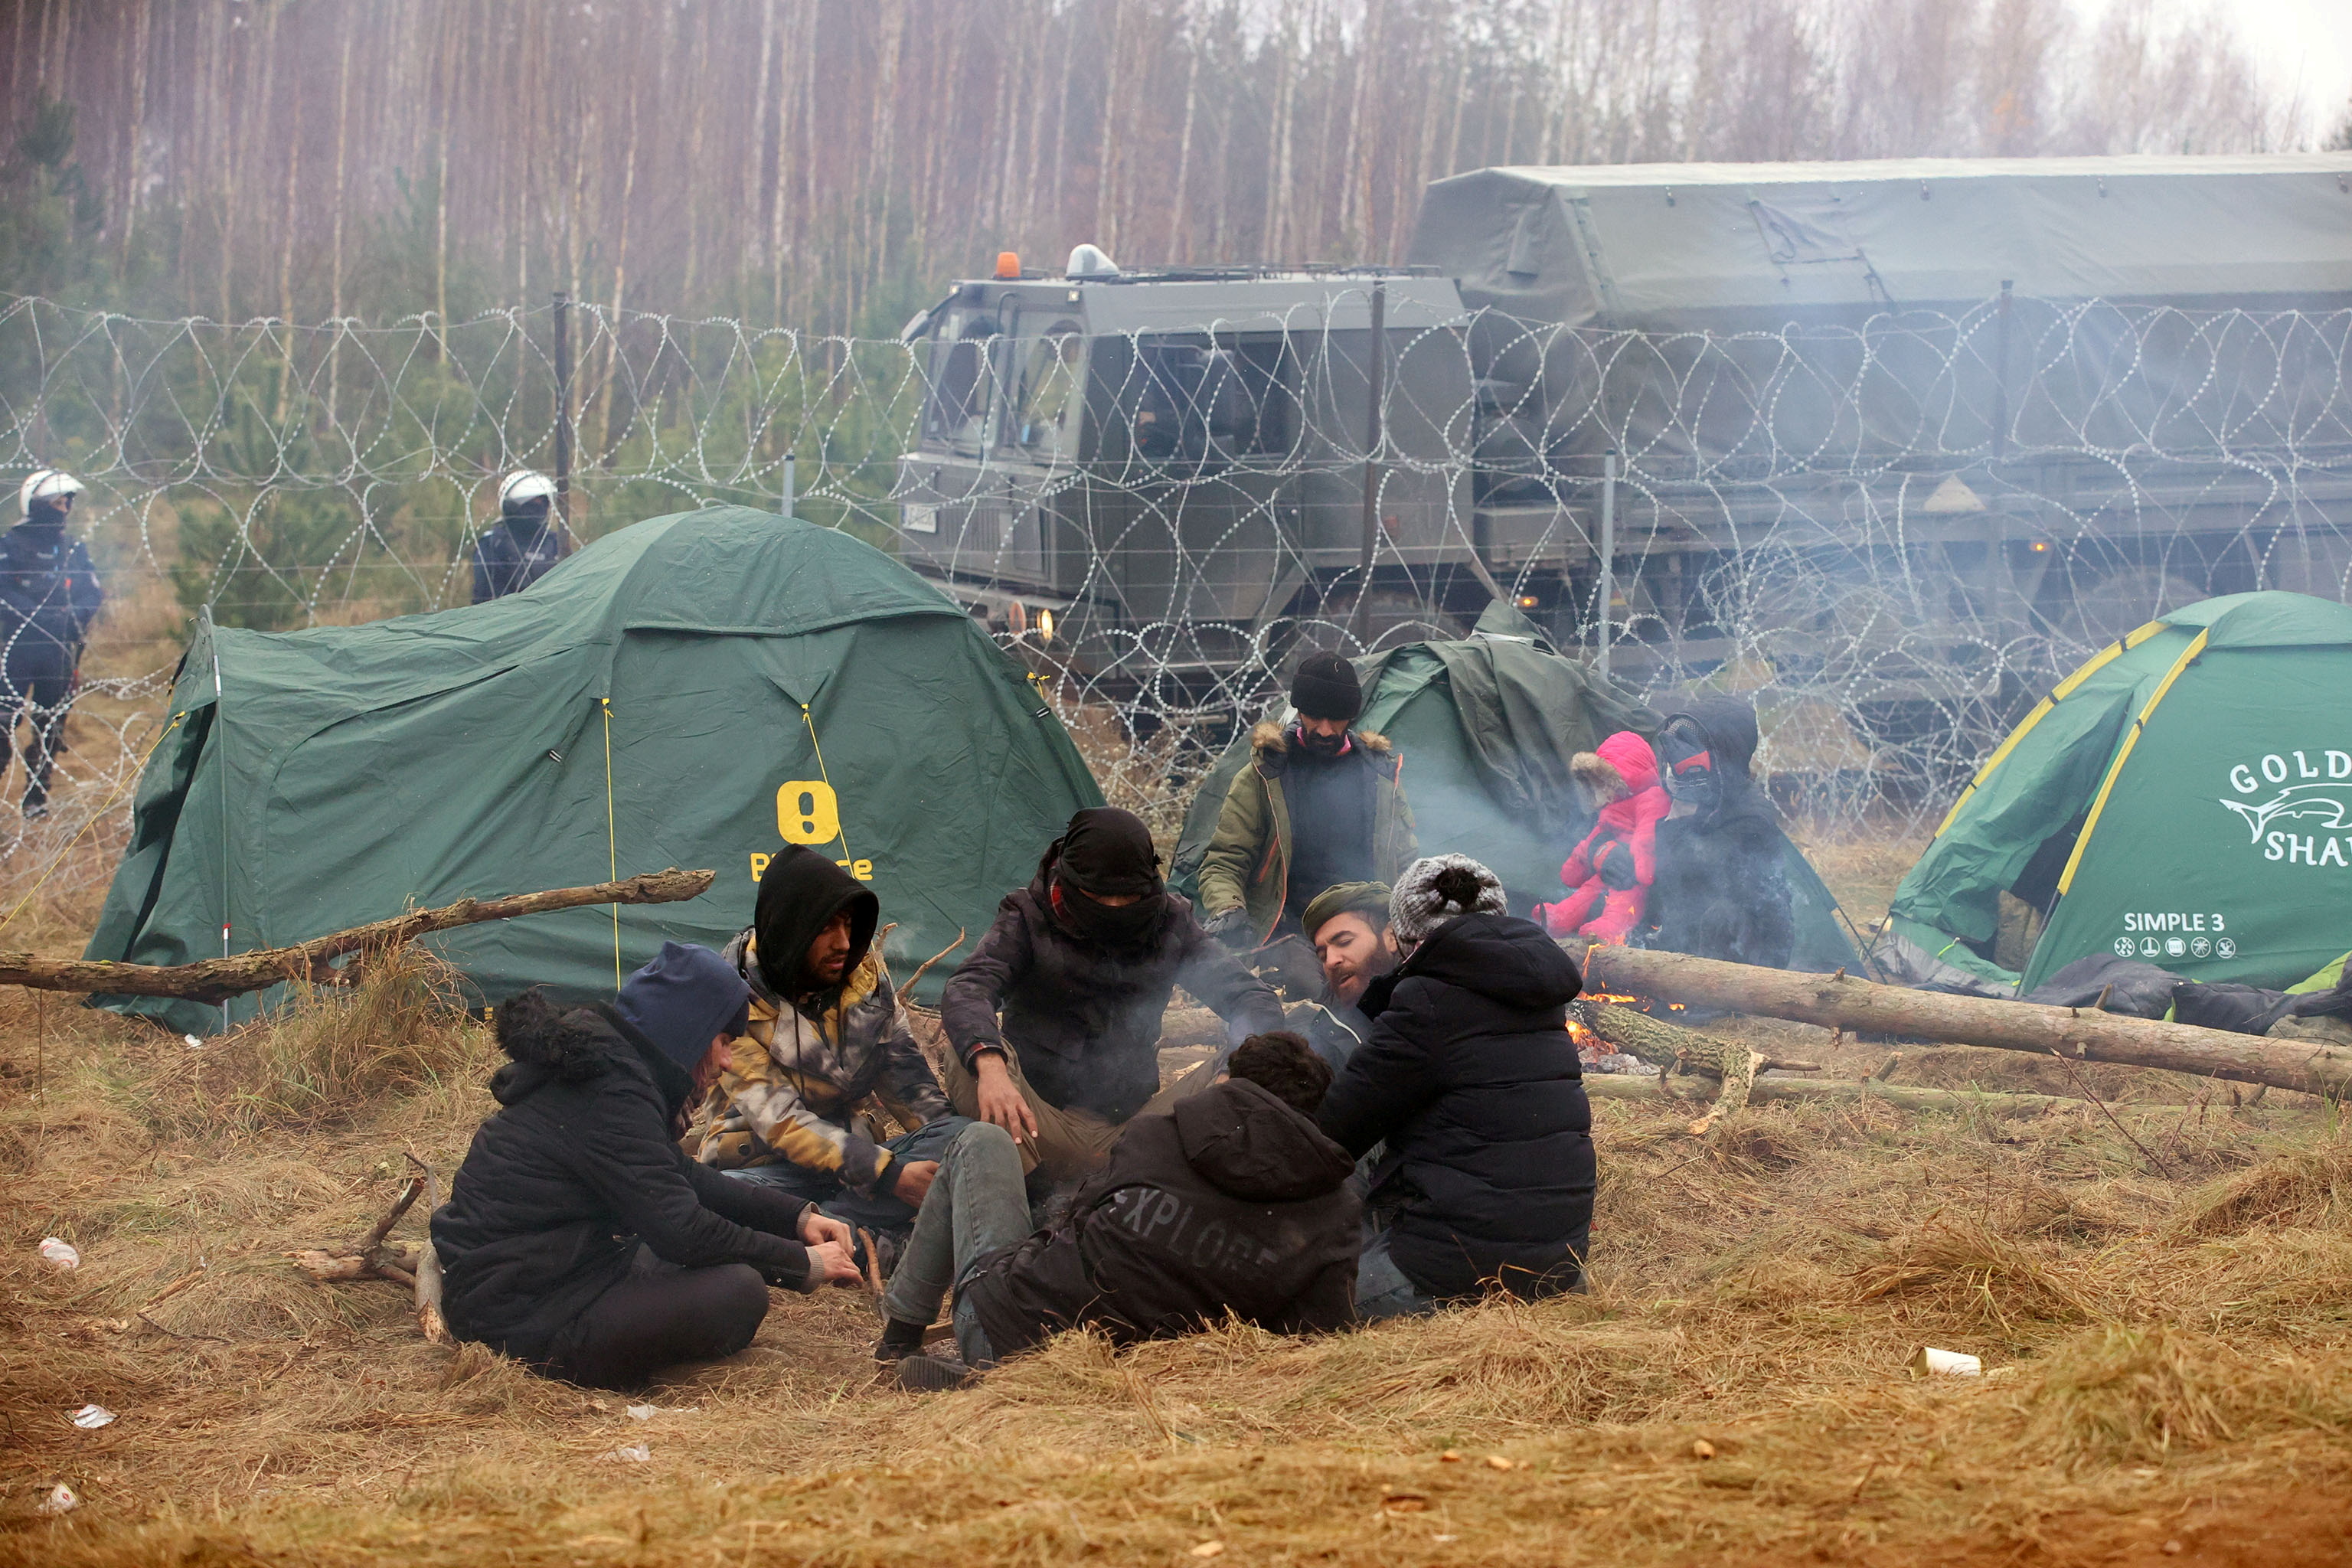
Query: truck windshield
[
  {"x": 959, "y": 378},
  {"x": 1053, "y": 370}
]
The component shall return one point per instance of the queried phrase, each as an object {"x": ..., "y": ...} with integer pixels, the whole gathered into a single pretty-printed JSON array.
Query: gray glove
[{"x": 1230, "y": 927}]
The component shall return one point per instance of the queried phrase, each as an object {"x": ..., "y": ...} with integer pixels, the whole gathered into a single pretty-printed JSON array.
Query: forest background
[{"x": 278, "y": 273}]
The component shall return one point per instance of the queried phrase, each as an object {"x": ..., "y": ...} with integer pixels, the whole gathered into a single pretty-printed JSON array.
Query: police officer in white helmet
[
  {"x": 49, "y": 594},
  {"x": 516, "y": 550}
]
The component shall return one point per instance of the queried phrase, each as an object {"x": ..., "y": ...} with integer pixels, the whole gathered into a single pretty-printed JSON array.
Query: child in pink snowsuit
[{"x": 1611, "y": 871}]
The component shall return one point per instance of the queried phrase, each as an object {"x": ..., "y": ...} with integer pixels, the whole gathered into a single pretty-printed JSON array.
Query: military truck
[{"x": 1916, "y": 432}]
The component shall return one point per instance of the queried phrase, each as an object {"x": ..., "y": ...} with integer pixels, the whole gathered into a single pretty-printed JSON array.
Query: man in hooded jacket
[
  {"x": 823, "y": 1048},
  {"x": 49, "y": 594},
  {"x": 1472, "y": 1080},
  {"x": 1083, "y": 961},
  {"x": 1230, "y": 1203},
  {"x": 1320, "y": 803},
  {"x": 1720, "y": 891},
  {"x": 577, "y": 1236}
]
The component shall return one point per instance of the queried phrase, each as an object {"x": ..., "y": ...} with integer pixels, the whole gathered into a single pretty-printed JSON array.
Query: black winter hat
[
  {"x": 684, "y": 998},
  {"x": 1326, "y": 688}
]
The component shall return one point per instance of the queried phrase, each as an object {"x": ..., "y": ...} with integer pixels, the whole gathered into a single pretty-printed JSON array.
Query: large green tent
[
  {"x": 2184, "y": 798},
  {"x": 693, "y": 690},
  {"x": 1486, "y": 725}
]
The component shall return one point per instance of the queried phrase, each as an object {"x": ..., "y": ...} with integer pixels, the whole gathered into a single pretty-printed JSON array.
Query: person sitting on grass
[
  {"x": 1472, "y": 1081},
  {"x": 578, "y": 1237},
  {"x": 1349, "y": 925},
  {"x": 1230, "y": 1203},
  {"x": 826, "y": 1053},
  {"x": 1083, "y": 961}
]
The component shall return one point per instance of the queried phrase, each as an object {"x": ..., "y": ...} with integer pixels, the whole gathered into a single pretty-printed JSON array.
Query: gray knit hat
[{"x": 1436, "y": 888}]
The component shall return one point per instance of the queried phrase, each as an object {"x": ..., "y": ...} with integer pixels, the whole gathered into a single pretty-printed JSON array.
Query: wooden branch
[
  {"x": 1842, "y": 1002},
  {"x": 1626, "y": 1086},
  {"x": 216, "y": 979}
]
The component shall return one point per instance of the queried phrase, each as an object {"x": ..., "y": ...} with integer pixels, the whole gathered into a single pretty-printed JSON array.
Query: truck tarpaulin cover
[
  {"x": 754, "y": 680},
  {"x": 1758, "y": 291}
]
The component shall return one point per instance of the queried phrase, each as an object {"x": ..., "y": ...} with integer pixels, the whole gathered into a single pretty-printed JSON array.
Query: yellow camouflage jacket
[{"x": 805, "y": 1089}]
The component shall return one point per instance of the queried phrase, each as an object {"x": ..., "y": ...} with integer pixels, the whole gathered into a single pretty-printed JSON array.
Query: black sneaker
[
  {"x": 932, "y": 1373},
  {"x": 898, "y": 1341}
]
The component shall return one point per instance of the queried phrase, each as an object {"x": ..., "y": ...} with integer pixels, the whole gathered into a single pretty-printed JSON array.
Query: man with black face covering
[
  {"x": 1720, "y": 891},
  {"x": 824, "y": 1046},
  {"x": 1321, "y": 804},
  {"x": 1083, "y": 961},
  {"x": 49, "y": 594}
]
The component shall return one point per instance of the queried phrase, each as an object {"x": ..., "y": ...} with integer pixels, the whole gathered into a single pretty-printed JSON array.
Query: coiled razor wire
[{"x": 1892, "y": 534}]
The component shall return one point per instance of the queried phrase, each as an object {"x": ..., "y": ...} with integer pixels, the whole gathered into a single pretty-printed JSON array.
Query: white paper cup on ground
[
  {"x": 60, "y": 1499},
  {"x": 60, "y": 1254},
  {"x": 1931, "y": 1361},
  {"x": 91, "y": 1417}
]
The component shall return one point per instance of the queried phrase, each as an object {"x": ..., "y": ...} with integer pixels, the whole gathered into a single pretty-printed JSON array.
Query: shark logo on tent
[{"x": 2332, "y": 802}]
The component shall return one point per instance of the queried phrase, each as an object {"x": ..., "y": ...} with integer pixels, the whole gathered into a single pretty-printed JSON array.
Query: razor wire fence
[{"x": 1894, "y": 534}]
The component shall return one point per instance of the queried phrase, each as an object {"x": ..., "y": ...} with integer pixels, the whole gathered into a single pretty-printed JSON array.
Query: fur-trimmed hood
[
  {"x": 1270, "y": 745},
  {"x": 553, "y": 1043}
]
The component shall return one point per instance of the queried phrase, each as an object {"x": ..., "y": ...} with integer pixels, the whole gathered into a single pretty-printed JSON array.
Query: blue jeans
[
  {"x": 978, "y": 1203},
  {"x": 881, "y": 1212},
  {"x": 1382, "y": 1290}
]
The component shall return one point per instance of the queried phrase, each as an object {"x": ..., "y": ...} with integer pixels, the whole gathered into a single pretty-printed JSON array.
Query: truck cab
[{"x": 1154, "y": 472}]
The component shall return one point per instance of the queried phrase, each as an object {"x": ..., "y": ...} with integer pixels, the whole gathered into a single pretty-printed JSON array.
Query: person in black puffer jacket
[
  {"x": 1083, "y": 961},
  {"x": 1471, "y": 1078},
  {"x": 1720, "y": 891},
  {"x": 577, "y": 1236}
]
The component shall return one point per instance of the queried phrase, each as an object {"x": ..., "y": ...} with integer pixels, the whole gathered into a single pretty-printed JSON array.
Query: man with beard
[
  {"x": 1082, "y": 962},
  {"x": 1349, "y": 925},
  {"x": 823, "y": 1054},
  {"x": 1471, "y": 1082},
  {"x": 1320, "y": 803}
]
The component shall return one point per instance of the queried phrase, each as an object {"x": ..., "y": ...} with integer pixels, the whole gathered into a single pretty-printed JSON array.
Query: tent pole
[
  {"x": 212, "y": 643},
  {"x": 791, "y": 489}
]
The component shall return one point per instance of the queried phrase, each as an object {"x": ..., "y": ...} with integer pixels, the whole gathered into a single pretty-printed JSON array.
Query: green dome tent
[
  {"x": 2184, "y": 798},
  {"x": 1486, "y": 726},
  {"x": 692, "y": 691}
]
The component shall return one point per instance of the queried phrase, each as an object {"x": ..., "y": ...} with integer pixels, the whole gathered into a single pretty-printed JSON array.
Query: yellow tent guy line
[
  {"x": 2107, "y": 786},
  {"x": 840, "y": 828},
  {"x": 612, "y": 839},
  {"x": 137, "y": 774},
  {"x": 2065, "y": 689}
]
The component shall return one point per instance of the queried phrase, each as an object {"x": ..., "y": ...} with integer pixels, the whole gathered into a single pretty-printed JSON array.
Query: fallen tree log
[
  {"x": 216, "y": 979},
  {"x": 1860, "y": 1006},
  {"x": 1625, "y": 1086}
]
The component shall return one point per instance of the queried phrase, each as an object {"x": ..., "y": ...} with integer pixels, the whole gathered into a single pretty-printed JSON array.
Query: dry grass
[{"x": 2171, "y": 1352}]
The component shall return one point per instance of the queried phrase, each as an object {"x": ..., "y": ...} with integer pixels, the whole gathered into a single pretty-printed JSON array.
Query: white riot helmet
[
  {"x": 45, "y": 484},
  {"x": 525, "y": 485}
]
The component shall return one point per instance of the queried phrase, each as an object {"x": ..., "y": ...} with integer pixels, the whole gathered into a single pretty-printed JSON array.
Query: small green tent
[
  {"x": 2184, "y": 798},
  {"x": 693, "y": 690},
  {"x": 1486, "y": 726}
]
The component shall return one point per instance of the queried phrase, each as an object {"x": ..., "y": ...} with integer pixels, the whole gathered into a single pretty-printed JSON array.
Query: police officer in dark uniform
[
  {"x": 516, "y": 550},
  {"x": 49, "y": 594}
]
